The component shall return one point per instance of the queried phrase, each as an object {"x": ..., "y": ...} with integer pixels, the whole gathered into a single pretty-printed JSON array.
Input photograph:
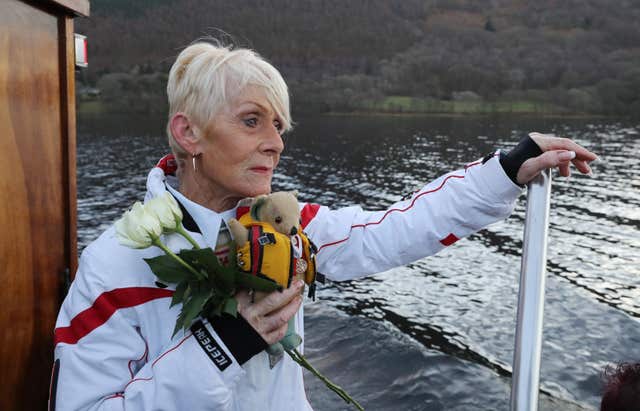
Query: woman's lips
[{"x": 261, "y": 170}]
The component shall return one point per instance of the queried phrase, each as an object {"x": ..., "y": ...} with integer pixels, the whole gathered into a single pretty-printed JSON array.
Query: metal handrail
[{"x": 526, "y": 358}]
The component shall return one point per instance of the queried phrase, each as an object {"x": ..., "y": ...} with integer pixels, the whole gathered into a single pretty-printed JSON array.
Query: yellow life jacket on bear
[{"x": 269, "y": 253}]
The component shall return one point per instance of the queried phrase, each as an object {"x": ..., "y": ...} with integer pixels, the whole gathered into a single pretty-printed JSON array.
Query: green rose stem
[
  {"x": 180, "y": 230},
  {"x": 156, "y": 241},
  {"x": 299, "y": 358}
]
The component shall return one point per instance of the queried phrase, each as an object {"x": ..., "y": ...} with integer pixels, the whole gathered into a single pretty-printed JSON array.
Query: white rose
[
  {"x": 166, "y": 210},
  {"x": 138, "y": 228}
]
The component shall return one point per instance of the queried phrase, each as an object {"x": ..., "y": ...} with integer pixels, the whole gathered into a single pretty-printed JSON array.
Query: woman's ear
[{"x": 184, "y": 133}]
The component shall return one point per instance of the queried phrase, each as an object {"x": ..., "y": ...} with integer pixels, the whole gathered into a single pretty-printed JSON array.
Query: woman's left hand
[{"x": 556, "y": 152}]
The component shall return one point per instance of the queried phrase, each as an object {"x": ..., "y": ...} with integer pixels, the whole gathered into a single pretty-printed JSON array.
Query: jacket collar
[
  {"x": 196, "y": 218},
  {"x": 187, "y": 221}
]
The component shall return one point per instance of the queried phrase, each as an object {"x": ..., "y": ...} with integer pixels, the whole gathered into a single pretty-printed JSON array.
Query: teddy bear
[{"x": 271, "y": 244}]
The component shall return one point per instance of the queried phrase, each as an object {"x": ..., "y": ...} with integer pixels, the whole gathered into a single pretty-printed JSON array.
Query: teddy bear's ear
[
  {"x": 258, "y": 202},
  {"x": 294, "y": 193}
]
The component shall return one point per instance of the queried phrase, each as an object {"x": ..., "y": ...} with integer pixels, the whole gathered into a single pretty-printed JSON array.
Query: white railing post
[{"x": 526, "y": 358}]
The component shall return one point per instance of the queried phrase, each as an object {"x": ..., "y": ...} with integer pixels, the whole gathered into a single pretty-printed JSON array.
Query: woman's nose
[{"x": 273, "y": 141}]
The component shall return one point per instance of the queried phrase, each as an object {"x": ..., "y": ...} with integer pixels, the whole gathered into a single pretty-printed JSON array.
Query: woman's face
[{"x": 241, "y": 147}]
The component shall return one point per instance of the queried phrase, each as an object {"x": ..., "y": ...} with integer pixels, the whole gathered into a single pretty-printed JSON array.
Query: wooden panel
[
  {"x": 68, "y": 106},
  {"x": 80, "y": 7},
  {"x": 33, "y": 201}
]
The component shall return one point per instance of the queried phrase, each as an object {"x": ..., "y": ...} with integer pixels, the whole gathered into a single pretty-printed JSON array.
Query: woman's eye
[
  {"x": 251, "y": 122},
  {"x": 278, "y": 125}
]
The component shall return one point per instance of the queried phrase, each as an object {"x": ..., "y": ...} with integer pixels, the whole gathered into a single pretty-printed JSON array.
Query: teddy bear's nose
[{"x": 294, "y": 231}]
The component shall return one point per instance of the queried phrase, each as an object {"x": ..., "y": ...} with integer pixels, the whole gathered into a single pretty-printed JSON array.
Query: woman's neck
[{"x": 206, "y": 194}]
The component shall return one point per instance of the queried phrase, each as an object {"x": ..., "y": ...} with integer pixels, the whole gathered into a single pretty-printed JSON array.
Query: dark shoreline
[{"x": 96, "y": 107}]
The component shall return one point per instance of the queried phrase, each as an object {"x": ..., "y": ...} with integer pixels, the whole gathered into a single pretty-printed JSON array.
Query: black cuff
[
  {"x": 511, "y": 161},
  {"x": 239, "y": 336}
]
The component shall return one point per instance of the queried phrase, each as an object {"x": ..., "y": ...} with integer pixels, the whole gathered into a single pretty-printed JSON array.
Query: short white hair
[{"x": 206, "y": 77}]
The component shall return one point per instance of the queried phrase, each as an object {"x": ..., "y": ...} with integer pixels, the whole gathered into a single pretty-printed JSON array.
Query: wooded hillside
[{"x": 409, "y": 55}]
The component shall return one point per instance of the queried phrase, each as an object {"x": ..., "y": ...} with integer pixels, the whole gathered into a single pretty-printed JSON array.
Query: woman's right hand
[{"x": 270, "y": 316}]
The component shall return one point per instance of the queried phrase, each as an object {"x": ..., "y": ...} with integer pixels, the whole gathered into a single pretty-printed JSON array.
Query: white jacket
[{"x": 114, "y": 349}]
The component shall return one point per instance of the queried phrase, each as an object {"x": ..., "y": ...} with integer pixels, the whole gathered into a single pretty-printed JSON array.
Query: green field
[
  {"x": 386, "y": 105},
  {"x": 405, "y": 104}
]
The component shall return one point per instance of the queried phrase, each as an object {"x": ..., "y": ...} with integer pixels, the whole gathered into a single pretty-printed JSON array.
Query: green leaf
[
  {"x": 203, "y": 258},
  {"x": 167, "y": 269},
  {"x": 180, "y": 293},
  {"x": 177, "y": 328},
  {"x": 224, "y": 279},
  {"x": 231, "y": 307},
  {"x": 259, "y": 284},
  {"x": 215, "y": 305},
  {"x": 233, "y": 254},
  {"x": 187, "y": 292},
  {"x": 191, "y": 309}
]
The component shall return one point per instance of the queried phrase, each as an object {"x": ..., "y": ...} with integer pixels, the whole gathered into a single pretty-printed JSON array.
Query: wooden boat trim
[
  {"x": 68, "y": 123},
  {"x": 78, "y": 7}
]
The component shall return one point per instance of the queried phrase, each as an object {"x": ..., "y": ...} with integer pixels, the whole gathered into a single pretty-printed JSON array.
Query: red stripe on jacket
[
  {"x": 307, "y": 214},
  {"x": 400, "y": 210},
  {"x": 103, "y": 308},
  {"x": 448, "y": 240}
]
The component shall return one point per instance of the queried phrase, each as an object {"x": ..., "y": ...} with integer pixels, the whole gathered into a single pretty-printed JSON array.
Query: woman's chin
[
  {"x": 254, "y": 184},
  {"x": 257, "y": 190}
]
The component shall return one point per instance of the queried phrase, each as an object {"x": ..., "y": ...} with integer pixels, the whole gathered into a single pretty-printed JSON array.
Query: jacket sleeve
[
  {"x": 353, "y": 243},
  {"x": 103, "y": 361}
]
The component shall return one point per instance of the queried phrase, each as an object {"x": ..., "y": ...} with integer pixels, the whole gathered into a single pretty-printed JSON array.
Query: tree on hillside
[{"x": 581, "y": 53}]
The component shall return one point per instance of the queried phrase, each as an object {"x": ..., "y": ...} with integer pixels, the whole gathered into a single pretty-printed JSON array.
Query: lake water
[{"x": 437, "y": 334}]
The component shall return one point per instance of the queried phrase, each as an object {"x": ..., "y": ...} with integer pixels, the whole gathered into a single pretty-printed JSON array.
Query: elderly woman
[{"x": 228, "y": 110}]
